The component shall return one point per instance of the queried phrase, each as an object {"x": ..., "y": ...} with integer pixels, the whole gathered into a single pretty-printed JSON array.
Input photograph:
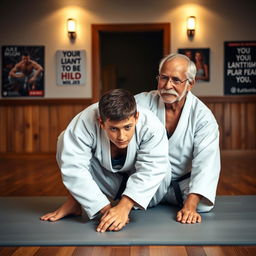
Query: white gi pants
[{"x": 109, "y": 182}]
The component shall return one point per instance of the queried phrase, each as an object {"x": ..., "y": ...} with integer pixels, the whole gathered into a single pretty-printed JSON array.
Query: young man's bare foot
[{"x": 70, "y": 207}]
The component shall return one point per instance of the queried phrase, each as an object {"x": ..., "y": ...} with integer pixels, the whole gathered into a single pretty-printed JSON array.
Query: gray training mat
[{"x": 231, "y": 222}]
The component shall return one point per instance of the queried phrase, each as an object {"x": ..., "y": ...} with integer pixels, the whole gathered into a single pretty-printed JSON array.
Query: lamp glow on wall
[
  {"x": 191, "y": 26},
  {"x": 71, "y": 28}
]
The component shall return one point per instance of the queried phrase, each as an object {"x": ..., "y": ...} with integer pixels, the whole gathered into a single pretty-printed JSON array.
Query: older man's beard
[{"x": 172, "y": 92}]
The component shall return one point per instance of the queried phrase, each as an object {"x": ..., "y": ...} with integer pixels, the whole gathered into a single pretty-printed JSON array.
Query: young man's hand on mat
[
  {"x": 188, "y": 213},
  {"x": 115, "y": 218}
]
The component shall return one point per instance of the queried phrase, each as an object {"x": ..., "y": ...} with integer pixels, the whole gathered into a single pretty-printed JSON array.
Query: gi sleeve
[
  {"x": 206, "y": 159},
  {"x": 74, "y": 152},
  {"x": 151, "y": 166}
]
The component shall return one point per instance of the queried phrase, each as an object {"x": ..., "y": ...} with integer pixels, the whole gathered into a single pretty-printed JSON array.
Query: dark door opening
[
  {"x": 127, "y": 56},
  {"x": 129, "y": 60}
]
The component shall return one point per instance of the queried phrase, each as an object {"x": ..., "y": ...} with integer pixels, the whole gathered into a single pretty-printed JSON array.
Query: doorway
[{"x": 127, "y": 56}]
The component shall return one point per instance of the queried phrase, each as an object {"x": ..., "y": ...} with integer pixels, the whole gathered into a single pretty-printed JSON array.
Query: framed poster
[
  {"x": 201, "y": 58},
  {"x": 240, "y": 67},
  {"x": 71, "y": 67},
  {"x": 23, "y": 71}
]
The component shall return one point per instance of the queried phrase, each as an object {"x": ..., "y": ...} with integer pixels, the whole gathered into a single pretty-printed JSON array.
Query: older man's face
[{"x": 172, "y": 80}]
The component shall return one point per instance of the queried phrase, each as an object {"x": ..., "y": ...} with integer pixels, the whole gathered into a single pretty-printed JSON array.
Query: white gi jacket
[
  {"x": 84, "y": 150},
  {"x": 194, "y": 145}
]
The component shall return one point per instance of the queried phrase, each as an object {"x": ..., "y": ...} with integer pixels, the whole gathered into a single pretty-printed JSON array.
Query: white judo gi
[
  {"x": 84, "y": 158},
  {"x": 194, "y": 146}
]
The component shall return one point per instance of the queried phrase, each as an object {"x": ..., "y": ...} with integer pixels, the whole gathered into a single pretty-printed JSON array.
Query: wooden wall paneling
[
  {"x": 243, "y": 121},
  {"x": 18, "y": 131},
  {"x": 44, "y": 129},
  {"x": 28, "y": 135},
  {"x": 65, "y": 116},
  {"x": 61, "y": 116},
  {"x": 30, "y": 126},
  {"x": 79, "y": 108},
  {"x": 35, "y": 128},
  {"x": 53, "y": 127},
  {"x": 217, "y": 110},
  {"x": 235, "y": 126},
  {"x": 73, "y": 113},
  {"x": 211, "y": 106},
  {"x": 251, "y": 125},
  {"x": 10, "y": 129},
  {"x": 3, "y": 129},
  {"x": 227, "y": 127}
]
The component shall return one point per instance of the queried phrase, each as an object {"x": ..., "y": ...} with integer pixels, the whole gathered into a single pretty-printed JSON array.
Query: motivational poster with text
[
  {"x": 240, "y": 67},
  {"x": 71, "y": 67}
]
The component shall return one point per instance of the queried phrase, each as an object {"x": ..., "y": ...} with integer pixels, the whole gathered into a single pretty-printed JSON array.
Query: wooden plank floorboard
[{"x": 130, "y": 251}]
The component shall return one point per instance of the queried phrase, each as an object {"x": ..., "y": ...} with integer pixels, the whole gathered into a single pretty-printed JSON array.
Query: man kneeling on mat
[
  {"x": 193, "y": 135},
  {"x": 112, "y": 151}
]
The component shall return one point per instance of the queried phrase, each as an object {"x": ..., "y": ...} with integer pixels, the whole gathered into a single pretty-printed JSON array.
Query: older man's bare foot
[{"x": 70, "y": 207}]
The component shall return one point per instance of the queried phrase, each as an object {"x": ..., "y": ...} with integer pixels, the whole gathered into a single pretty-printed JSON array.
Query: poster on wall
[
  {"x": 22, "y": 71},
  {"x": 70, "y": 67},
  {"x": 201, "y": 57},
  {"x": 240, "y": 67}
]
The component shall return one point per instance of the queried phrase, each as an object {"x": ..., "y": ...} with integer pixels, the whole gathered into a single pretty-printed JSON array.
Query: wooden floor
[{"x": 35, "y": 175}]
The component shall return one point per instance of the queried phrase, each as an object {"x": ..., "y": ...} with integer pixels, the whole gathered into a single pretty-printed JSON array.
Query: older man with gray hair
[{"x": 193, "y": 136}]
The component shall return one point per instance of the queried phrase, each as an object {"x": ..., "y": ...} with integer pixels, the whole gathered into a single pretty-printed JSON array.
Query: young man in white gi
[
  {"x": 193, "y": 137},
  {"x": 108, "y": 146}
]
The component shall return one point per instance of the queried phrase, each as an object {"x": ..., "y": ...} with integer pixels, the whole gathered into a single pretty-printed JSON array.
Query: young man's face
[{"x": 121, "y": 132}]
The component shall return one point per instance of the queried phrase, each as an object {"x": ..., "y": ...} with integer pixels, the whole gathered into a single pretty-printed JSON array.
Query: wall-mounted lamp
[
  {"x": 71, "y": 27},
  {"x": 191, "y": 26}
]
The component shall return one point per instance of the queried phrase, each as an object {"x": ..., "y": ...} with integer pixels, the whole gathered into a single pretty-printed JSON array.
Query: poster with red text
[{"x": 70, "y": 67}]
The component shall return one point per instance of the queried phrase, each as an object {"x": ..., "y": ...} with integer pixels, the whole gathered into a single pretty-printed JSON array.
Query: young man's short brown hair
[{"x": 117, "y": 105}]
